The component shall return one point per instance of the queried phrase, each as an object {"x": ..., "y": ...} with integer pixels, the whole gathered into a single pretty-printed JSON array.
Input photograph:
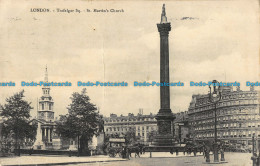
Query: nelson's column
[{"x": 165, "y": 116}]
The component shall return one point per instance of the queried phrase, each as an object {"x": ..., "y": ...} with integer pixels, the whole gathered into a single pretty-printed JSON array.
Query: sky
[{"x": 209, "y": 40}]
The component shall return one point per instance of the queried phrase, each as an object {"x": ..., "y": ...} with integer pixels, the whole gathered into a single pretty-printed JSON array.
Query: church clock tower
[{"x": 45, "y": 107}]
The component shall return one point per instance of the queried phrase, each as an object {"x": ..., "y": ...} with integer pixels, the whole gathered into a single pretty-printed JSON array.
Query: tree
[
  {"x": 82, "y": 122},
  {"x": 16, "y": 114},
  {"x": 130, "y": 137}
]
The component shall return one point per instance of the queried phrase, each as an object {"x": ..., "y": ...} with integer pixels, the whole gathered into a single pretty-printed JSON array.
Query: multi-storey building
[
  {"x": 141, "y": 124},
  {"x": 237, "y": 117}
]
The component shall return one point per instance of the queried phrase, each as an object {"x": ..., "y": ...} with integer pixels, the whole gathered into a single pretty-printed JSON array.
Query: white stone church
[{"x": 46, "y": 138}]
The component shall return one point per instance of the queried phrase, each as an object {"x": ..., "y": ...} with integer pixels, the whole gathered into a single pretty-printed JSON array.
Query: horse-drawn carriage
[
  {"x": 115, "y": 151},
  {"x": 116, "y": 147}
]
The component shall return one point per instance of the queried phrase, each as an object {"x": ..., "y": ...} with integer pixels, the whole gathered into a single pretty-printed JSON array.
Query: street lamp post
[{"x": 215, "y": 97}]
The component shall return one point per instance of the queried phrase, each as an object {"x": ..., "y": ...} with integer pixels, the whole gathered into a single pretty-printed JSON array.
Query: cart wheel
[{"x": 112, "y": 154}]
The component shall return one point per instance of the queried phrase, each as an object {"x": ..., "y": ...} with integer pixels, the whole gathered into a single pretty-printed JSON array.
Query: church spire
[
  {"x": 163, "y": 16},
  {"x": 46, "y": 75}
]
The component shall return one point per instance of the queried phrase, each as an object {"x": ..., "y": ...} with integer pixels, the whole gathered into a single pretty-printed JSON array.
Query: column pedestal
[{"x": 165, "y": 133}]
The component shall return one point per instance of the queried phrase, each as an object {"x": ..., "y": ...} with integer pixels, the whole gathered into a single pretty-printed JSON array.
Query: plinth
[{"x": 165, "y": 128}]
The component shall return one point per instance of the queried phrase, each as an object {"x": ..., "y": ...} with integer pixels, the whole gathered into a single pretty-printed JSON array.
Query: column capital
[{"x": 164, "y": 28}]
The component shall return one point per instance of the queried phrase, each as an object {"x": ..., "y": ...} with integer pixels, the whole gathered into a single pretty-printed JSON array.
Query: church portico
[{"x": 47, "y": 132}]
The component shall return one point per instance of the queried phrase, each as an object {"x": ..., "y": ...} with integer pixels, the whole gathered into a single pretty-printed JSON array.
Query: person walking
[
  {"x": 123, "y": 152},
  {"x": 171, "y": 151},
  {"x": 137, "y": 151},
  {"x": 195, "y": 151},
  {"x": 127, "y": 153},
  {"x": 177, "y": 151}
]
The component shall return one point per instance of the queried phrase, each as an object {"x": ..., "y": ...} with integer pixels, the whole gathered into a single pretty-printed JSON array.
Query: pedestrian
[
  {"x": 204, "y": 152},
  {"x": 137, "y": 152},
  {"x": 222, "y": 154},
  {"x": 177, "y": 151},
  {"x": 143, "y": 150},
  {"x": 207, "y": 155},
  {"x": 190, "y": 150},
  {"x": 171, "y": 151},
  {"x": 31, "y": 151},
  {"x": 195, "y": 151},
  {"x": 123, "y": 152},
  {"x": 130, "y": 151},
  {"x": 140, "y": 146},
  {"x": 127, "y": 153}
]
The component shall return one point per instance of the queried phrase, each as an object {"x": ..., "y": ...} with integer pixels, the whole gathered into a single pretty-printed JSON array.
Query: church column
[
  {"x": 43, "y": 134},
  {"x": 49, "y": 135},
  {"x": 145, "y": 134},
  {"x": 51, "y": 130}
]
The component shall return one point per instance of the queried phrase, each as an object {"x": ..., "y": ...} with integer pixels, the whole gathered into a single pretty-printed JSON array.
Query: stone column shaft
[
  {"x": 49, "y": 135},
  {"x": 164, "y": 70}
]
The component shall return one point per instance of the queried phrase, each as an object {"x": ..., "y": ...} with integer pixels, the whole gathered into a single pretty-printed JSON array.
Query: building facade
[
  {"x": 46, "y": 138},
  {"x": 141, "y": 124},
  {"x": 237, "y": 113}
]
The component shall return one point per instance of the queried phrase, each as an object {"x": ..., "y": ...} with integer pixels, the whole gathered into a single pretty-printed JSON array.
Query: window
[
  {"x": 42, "y": 106},
  {"x": 49, "y": 106}
]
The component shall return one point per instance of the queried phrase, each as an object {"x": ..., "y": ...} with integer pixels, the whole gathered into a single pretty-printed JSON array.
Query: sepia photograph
[{"x": 135, "y": 83}]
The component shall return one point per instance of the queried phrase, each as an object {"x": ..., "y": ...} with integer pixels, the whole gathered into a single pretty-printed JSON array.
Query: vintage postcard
[{"x": 136, "y": 83}]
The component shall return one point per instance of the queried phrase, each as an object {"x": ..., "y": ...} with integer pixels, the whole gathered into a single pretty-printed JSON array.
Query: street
[
  {"x": 158, "y": 159},
  {"x": 233, "y": 159}
]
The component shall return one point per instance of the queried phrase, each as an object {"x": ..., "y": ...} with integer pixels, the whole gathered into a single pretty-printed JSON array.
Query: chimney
[{"x": 141, "y": 111}]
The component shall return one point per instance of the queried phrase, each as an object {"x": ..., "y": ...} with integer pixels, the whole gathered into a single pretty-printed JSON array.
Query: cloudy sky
[{"x": 219, "y": 40}]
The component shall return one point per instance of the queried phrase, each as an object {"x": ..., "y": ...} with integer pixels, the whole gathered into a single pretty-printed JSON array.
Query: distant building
[
  {"x": 140, "y": 124},
  {"x": 237, "y": 117}
]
